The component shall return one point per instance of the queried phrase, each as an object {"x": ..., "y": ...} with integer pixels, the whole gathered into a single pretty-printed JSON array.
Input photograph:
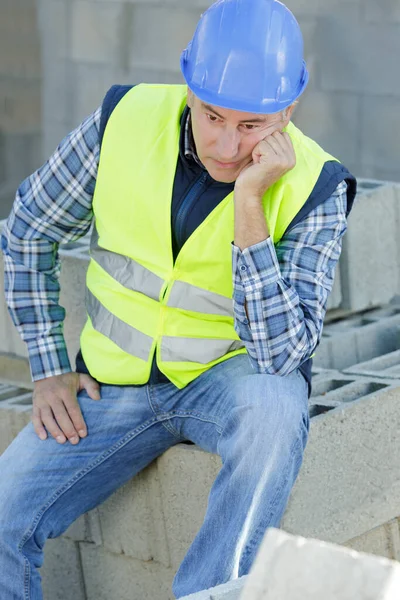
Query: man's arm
[
  {"x": 52, "y": 206},
  {"x": 285, "y": 289}
]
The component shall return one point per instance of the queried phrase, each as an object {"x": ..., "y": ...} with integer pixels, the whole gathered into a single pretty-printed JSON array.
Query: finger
[
  {"x": 275, "y": 145},
  {"x": 279, "y": 137},
  {"x": 91, "y": 386},
  {"x": 288, "y": 142},
  {"x": 74, "y": 411},
  {"x": 262, "y": 150},
  {"x": 51, "y": 425},
  {"x": 64, "y": 422},
  {"x": 37, "y": 424}
]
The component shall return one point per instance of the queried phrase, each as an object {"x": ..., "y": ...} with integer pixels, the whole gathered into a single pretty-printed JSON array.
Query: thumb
[{"x": 90, "y": 385}]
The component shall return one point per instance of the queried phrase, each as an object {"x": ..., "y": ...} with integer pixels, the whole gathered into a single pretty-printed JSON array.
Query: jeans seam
[
  {"x": 68, "y": 485},
  {"x": 156, "y": 411}
]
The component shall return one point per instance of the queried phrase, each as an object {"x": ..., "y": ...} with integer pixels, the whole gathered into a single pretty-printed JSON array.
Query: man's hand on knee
[{"x": 56, "y": 408}]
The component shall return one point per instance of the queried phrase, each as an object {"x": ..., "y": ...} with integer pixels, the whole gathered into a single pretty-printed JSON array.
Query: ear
[
  {"x": 287, "y": 114},
  {"x": 190, "y": 98}
]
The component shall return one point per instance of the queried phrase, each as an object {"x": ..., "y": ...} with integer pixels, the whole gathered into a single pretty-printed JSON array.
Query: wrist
[{"x": 248, "y": 196}]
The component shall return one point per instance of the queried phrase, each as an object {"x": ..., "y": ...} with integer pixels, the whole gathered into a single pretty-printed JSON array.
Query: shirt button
[{"x": 243, "y": 268}]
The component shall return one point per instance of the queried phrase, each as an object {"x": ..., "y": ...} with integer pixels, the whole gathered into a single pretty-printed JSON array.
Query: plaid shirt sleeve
[
  {"x": 52, "y": 206},
  {"x": 285, "y": 288}
]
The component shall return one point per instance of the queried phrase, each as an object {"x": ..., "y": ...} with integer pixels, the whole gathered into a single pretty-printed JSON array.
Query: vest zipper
[{"x": 187, "y": 201}]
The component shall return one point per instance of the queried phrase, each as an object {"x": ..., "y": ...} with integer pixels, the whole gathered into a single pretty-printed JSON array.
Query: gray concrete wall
[
  {"x": 350, "y": 106},
  {"x": 20, "y": 96}
]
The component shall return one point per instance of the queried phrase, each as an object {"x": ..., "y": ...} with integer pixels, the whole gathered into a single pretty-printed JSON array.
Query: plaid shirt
[{"x": 285, "y": 287}]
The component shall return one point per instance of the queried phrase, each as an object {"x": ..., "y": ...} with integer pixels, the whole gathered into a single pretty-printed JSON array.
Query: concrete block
[
  {"x": 294, "y": 568},
  {"x": 382, "y": 541},
  {"x": 349, "y": 482},
  {"x": 319, "y": 8},
  {"x": 159, "y": 34},
  {"x": 96, "y": 31},
  {"x": 352, "y": 341},
  {"x": 86, "y": 529},
  {"x": 113, "y": 576},
  {"x": 332, "y": 120},
  {"x": 380, "y": 144},
  {"x": 335, "y": 298},
  {"x": 15, "y": 370},
  {"x": 57, "y": 86},
  {"x": 61, "y": 571},
  {"x": 21, "y": 154},
  {"x": 20, "y": 54},
  {"x": 10, "y": 340},
  {"x": 132, "y": 520},
  {"x": 365, "y": 286},
  {"x": 387, "y": 12},
  {"x": 228, "y": 591},
  {"x": 186, "y": 474},
  {"x": 387, "y": 366},
  {"x": 91, "y": 81},
  {"x": 15, "y": 412},
  {"x": 20, "y": 100},
  {"x": 72, "y": 298},
  {"x": 342, "y": 41},
  {"x": 339, "y": 390}
]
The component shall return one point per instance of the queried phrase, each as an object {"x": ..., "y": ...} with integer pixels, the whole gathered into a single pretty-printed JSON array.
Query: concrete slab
[{"x": 294, "y": 568}]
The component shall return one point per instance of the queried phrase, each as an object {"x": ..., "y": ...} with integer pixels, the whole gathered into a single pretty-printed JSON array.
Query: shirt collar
[{"x": 189, "y": 147}]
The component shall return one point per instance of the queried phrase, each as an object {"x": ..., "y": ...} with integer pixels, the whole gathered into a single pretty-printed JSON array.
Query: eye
[
  {"x": 211, "y": 118},
  {"x": 249, "y": 126}
]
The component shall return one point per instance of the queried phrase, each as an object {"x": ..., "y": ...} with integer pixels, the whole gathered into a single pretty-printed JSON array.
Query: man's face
[{"x": 225, "y": 138}]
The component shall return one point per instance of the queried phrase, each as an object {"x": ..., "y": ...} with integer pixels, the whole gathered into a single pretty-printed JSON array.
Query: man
[{"x": 217, "y": 226}]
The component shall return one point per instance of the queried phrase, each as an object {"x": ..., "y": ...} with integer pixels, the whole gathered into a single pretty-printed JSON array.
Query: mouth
[{"x": 226, "y": 165}]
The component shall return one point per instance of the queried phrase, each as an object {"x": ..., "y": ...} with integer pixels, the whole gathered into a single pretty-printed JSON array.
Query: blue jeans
[{"x": 258, "y": 424}]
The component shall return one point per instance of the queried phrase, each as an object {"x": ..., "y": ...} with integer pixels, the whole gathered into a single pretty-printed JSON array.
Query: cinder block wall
[
  {"x": 20, "y": 96},
  {"x": 350, "y": 107}
]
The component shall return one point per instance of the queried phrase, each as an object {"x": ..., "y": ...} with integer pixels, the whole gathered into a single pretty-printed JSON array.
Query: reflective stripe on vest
[
  {"x": 173, "y": 349},
  {"x": 136, "y": 277},
  {"x": 196, "y": 350},
  {"x": 125, "y": 336}
]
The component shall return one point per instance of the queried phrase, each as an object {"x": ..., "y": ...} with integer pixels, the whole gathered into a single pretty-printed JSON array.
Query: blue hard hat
[{"x": 246, "y": 55}]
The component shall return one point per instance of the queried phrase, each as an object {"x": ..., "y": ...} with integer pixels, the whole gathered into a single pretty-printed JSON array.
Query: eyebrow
[{"x": 255, "y": 120}]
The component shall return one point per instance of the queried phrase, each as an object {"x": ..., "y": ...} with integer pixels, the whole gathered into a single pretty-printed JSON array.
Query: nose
[{"x": 228, "y": 144}]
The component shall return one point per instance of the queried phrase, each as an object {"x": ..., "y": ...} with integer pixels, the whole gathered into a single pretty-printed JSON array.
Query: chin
[{"x": 222, "y": 176}]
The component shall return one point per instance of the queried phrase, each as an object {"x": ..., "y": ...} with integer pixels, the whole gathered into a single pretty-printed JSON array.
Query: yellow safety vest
[{"x": 140, "y": 302}]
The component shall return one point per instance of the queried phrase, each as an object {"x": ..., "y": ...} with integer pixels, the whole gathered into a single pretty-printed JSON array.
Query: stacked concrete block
[
  {"x": 15, "y": 412},
  {"x": 142, "y": 533},
  {"x": 186, "y": 475},
  {"x": 86, "y": 528},
  {"x": 62, "y": 577},
  {"x": 74, "y": 264},
  {"x": 357, "y": 339},
  {"x": 347, "y": 471},
  {"x": 20, "y": 97},
  {"x": 369, "y": 265},
  {"x": 110, "y": 576}
]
